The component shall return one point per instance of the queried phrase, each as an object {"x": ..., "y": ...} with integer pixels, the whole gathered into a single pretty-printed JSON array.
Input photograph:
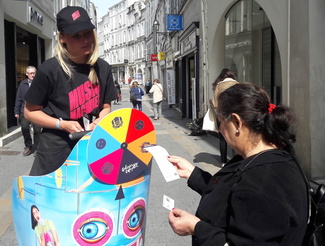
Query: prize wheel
[{"x": 116, "y": 147}]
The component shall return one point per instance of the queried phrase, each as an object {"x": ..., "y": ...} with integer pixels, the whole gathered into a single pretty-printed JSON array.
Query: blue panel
[{"x": 174, "y": 22}]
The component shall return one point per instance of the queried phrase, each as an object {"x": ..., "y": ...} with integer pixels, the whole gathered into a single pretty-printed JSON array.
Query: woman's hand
[
  {"x": 182, "y": 222},
  {"x": 183, "y": 166}
]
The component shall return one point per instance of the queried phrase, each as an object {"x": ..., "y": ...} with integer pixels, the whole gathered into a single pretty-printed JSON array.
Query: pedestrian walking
[
  {"x": 118, "y": 93},
  {"x": 157, "y": 91},
  {"x": 19, "y": 113},
  {"x": 136, "y": 94},
  {"x": 147, "y": 86}
]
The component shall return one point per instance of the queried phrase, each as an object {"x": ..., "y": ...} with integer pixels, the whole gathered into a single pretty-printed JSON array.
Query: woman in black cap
[{"x": 71, "y": 92}]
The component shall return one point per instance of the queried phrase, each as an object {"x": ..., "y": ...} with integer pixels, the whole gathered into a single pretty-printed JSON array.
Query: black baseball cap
[{"x": 73, "y": 19}]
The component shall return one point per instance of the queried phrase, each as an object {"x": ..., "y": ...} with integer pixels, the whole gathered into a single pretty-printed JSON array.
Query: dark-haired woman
[
  {"x": 138, "y": 92},
  {"x": 259, "y": 197},
  {"x": 44, "y": 229},
  {"x": 118, "y": 93}
]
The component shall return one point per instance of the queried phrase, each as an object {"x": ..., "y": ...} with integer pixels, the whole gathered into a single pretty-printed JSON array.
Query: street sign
[
  {"x": 174, "y": 22},
  {"x": 153, "y": 58}
]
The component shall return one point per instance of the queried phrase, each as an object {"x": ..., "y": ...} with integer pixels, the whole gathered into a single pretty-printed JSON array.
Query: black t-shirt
[{"x": 71, "y": 99}]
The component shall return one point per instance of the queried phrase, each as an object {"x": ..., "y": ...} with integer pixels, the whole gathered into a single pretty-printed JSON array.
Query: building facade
[
  {"x": 275, "y": 44},
  {"x": 28, "y": 37},
  {"x": 124, "y": 45},
  {"x": 103, "y": 36},
  {"x": 278, "y": 45}
]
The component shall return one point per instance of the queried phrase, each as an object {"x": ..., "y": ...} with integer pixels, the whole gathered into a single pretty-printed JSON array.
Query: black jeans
[
  {"x": 137, "y": 105},
  {"x": 26, "y": 132},
  {"x": 223, "y": 146}
]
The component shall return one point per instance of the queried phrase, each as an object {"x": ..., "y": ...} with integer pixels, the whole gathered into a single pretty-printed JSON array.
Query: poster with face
[{"x": 99, "y": 196}]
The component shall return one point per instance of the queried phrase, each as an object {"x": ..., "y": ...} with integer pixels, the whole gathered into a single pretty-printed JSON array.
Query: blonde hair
[{"x": 62, "y": 55}]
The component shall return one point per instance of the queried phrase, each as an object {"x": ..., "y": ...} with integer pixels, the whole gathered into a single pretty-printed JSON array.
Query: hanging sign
[
  {"x": 174, "y": 22},
  {"x": 169, "y": 62},
  {"x": 153, "y": 58},
  {"x": 161, "y": 56}
]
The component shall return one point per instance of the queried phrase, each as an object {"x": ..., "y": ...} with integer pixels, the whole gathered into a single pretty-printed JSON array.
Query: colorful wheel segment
[{"x": 115, "y": 149}]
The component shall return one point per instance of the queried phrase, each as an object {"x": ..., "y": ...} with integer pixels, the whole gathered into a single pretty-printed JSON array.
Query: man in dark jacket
[{"x": 19, "y": 113}]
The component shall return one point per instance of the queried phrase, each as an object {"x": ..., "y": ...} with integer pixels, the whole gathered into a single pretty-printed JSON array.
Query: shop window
[{"x": 251, "y": 49}]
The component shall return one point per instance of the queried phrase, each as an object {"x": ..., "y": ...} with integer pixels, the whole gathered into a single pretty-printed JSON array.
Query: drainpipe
[
  {"x": 205, "y": 76},
  {"x": 288, "y": 52}
]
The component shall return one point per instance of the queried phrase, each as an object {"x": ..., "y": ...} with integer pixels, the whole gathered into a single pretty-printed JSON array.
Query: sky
[{"x": 103, "y": 5}]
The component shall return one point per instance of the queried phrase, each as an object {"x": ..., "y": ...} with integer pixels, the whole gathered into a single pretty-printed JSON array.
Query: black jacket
[
  {"x": 264, "y": 203},
  {"x": 20, "y": 103}
]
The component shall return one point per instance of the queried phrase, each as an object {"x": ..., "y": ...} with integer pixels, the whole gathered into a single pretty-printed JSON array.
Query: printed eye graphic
[
  {"x": 134, "y": 218},
  {"x": 93, "y": 227},
  {"x": 93, "y": 230}
]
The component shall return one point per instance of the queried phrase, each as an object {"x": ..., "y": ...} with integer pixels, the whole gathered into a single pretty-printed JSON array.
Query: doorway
[{"x": 22, "y": 49}]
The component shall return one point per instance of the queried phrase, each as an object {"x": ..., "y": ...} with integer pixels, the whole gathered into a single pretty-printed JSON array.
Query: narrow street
[{"x": 172, "y": 133}]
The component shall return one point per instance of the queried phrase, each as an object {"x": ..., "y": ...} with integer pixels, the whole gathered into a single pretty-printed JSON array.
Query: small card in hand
[{"x": 168, "y": 202}]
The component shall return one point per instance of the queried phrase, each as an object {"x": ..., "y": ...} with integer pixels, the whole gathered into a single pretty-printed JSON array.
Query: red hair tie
[{"x": 271, "y": 107}]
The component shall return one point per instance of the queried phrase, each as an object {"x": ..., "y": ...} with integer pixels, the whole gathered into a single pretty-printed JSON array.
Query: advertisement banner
[
  {"x": 139, "y": 78},
  {"x": 99, "y": 196},
  {"x": 170, "y": 80}
]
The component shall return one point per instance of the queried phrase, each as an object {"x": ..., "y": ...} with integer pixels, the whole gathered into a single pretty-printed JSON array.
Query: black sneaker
[{"x": 27, "y": 151}]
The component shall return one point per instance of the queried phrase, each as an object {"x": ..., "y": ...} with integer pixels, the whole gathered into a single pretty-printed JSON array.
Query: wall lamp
[{"x": 155, "y": 32}]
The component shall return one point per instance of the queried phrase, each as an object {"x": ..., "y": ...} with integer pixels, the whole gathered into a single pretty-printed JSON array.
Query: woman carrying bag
[
  {"x": 157, "y": 91},
  {"x": 136, "y": 94}
]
